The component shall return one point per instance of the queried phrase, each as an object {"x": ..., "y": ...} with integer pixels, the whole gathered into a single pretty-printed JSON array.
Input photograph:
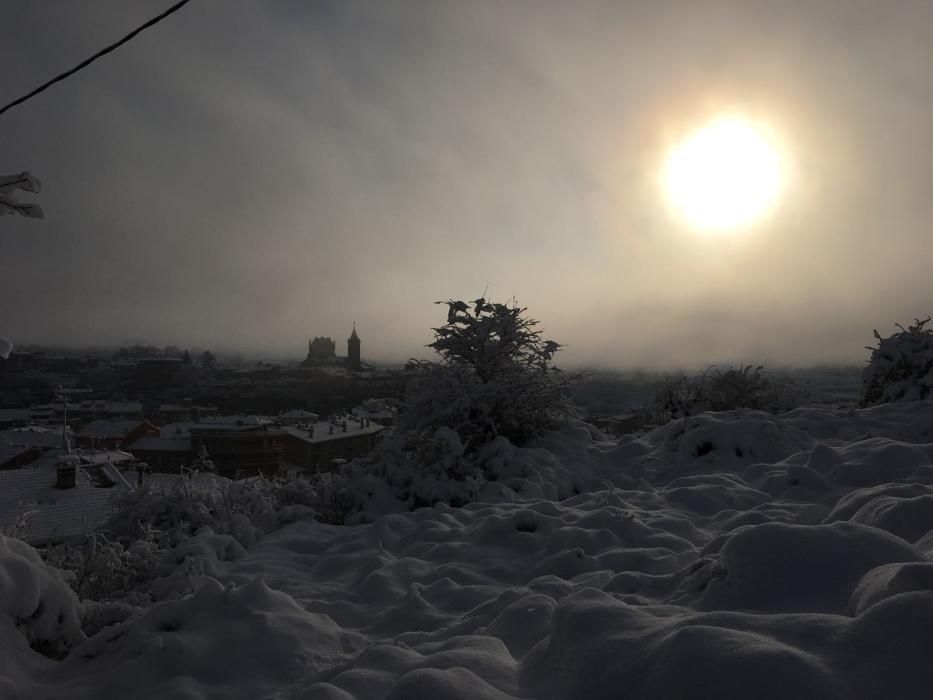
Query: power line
[{"x": 84, "y": 64}]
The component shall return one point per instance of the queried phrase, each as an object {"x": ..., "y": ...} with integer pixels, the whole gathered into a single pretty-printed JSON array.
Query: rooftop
[
  {"x": 53, "y": 513},
  {"x": 322, "y": 431}
]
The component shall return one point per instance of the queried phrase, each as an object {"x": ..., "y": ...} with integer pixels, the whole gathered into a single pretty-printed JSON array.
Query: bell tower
[{"x": 353, "y": 351}]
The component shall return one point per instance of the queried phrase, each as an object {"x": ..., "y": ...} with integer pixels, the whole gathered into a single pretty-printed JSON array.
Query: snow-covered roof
[
  {"x": 231, "y": 423},
  {"x": 104, "y": 456},
  {"x": 235, "y": 420},
  {"x": 55, "y": 513},
  {"x": 33, "y": 436},
  {"x": 299, "y": 413},
  {"x": 322, "y": 431}
]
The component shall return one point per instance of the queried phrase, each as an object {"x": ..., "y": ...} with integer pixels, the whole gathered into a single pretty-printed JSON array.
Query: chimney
[{"x": 66, "y": 476}]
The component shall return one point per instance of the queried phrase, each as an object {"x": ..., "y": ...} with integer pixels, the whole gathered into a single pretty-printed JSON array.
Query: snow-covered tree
[
  {"x": 9, "y": 204},
  {"x": 493, "y": 377},
  {"x": 901, "y": 367},
  {"x": 203, "y": 462}
]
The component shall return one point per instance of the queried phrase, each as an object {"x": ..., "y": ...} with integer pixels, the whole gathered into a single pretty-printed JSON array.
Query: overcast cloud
[{"x": 248, "y": 174}]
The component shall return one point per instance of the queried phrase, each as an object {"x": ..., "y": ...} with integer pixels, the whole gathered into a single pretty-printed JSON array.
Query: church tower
[{"x": 353, "y": 351}]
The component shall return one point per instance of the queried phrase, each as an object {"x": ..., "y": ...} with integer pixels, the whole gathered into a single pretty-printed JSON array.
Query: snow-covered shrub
[
  {"x": 493, "y": 378},
  {"x": 901, "y": 367},
  {"x": 9, "y": 204},
  {"x": 178, "y": 508},
  {"x": 715, "y": 390},
  {"x": 20, "y": 528},
  {"x": 153, "y": 526},
  {"x": 103, "y": 567}
]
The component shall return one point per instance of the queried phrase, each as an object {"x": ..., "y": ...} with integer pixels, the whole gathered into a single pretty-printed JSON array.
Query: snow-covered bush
[
  {"x": 901, "y": 367},
  {"x": 409, "y": 471},
  {"x": 103, "y": 567},
  {"x": 715, "y": 390},
  {"x": 152, "y": 526},
  {"x": 493, "y": 378},
  {"x": 492, "y": 384},
  {"x": 9, "y": 204}
]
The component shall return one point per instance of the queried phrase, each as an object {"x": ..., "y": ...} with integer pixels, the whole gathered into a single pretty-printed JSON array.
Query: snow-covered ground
[{"x": 730, "y": 555}]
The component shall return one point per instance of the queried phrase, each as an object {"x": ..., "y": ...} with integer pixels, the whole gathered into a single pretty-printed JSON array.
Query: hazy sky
[{"x": 250, "y": 173}]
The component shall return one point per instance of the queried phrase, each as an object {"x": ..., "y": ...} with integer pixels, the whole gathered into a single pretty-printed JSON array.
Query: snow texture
[{"x": 726, "y": 555}]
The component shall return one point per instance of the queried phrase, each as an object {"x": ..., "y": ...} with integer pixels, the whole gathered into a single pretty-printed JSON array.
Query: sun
[{"x": 726, "y": 175}]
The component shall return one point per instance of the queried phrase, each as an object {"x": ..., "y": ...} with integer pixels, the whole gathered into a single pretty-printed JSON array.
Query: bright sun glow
[{"x": 725, "y": 175}]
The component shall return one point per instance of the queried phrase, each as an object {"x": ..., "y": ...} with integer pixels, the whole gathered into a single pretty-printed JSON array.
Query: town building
[
  {"x": 65, "y": 499},
  {"x": 314, "y": 447},
  {"x": 239, "y": 446},
  {"x": 113, "y": 434}
]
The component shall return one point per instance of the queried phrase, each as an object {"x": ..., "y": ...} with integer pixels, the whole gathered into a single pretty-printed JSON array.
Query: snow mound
[
  {"x": 35, "y": 600},
  {"x": 776, "y": 567},
  {"x": 238, "y": 641},
  {"x": 889, "y": 580}
]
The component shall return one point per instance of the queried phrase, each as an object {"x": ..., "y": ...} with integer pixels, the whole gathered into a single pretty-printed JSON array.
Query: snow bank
[{"x": 40, "y": 616}]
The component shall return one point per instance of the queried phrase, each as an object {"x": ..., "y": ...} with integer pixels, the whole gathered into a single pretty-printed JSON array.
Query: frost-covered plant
[
  {"x": 493, "y": 378},
  {"x": 103, "y": 567},
  {"x": 901, "y": 367},
  {"x": 152, "y": 526},
  {"x": 20, "y": 528},
  {"x": 715, "y": 390},
  {"x": 9, "y": 204},
  {"x": 203, "y": 462}
]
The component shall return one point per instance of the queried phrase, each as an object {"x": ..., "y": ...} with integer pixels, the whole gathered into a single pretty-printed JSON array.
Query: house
[
  {"x": 41, "y": 437},
  {"x": 67, "y": 497},
  {"x": 162, "y": 454},
  {"x": 315, "y": 446},
  {"x": 239, "y": 446},
  {"x": 45, "y": 506},
  {"x": 79, "y": 411},
  {"x": 112, "y": 434},
  {"x": 381, "y": 411},
  {"x": 242, "y": 447}
]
